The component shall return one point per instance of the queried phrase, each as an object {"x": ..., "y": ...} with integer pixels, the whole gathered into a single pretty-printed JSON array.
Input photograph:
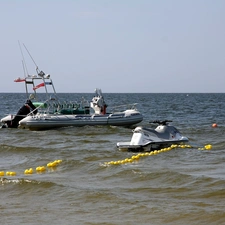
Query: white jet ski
[{"x": 147, "y": 139}]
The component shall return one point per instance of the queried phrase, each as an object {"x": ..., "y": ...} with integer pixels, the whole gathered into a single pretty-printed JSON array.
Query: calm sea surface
[{"x": 181, "y": 186}]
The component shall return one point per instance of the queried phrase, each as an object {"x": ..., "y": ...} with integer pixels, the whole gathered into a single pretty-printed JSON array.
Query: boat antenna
[
  {"x": 24, "y": 69},
  {"x": 23, "y": 61},
  {"x": 31, "y": 58},
  {"x": 25, "y": 78}
]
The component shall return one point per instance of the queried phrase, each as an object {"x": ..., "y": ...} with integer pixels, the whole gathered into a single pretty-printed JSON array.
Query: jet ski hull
[
  {"x": 147, "y": 139},
  {"x": 151, "y": 146}
]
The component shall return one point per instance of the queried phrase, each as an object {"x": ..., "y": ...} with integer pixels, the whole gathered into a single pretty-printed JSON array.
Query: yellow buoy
[
  {"x": 28, "y": 171},
  {"x": 208, "y": 147},
  {"x": 2, "y": 173},
  {"x": 8, "y": 173},
  {"x": 12, "y": 173}
]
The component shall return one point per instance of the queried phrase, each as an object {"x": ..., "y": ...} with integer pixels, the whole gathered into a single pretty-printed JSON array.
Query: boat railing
[
  {"x": 120, "y": 108},
  {"x": 54, "y": 106},
  {"x": 66, "y": 105}
]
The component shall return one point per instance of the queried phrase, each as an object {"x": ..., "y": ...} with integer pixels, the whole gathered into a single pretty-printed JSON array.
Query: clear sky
[{"x": 120, "y": 46}]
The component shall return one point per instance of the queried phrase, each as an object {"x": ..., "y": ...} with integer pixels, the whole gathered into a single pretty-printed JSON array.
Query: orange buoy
[{"x": 214, "y": 125}]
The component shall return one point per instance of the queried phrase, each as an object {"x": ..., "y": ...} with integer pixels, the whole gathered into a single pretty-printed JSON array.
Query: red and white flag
[
  {"x": 19, "y": 79},
  {"x": 38, "y": 86}
]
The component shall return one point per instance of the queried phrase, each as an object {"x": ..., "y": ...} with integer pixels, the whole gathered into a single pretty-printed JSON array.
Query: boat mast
[
  {"x": 26, "y": 74},
  {"x": 39, "y": 73}
]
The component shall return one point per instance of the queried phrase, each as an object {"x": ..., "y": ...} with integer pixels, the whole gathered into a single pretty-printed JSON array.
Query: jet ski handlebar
[{"x": 161, "y": 122}]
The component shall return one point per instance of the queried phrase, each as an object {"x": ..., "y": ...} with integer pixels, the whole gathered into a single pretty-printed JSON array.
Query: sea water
[{"x": 180, "y": 186}]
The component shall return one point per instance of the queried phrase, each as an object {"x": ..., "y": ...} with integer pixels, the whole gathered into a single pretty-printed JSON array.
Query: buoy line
[
  {"x": 39, "y": 169},
  {"x": 139, "y": 155}
]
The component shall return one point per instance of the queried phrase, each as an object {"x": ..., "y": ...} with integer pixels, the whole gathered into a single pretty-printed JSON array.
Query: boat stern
[
  {"x": 7, "y": 121},
  {"x": 7, "y": 118},
  {"x": 138, "y": 141},
  {"x": 139, "y": 137}
]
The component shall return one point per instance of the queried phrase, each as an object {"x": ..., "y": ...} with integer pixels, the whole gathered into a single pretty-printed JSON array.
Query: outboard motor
[{"x": 13, "y": 121}]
